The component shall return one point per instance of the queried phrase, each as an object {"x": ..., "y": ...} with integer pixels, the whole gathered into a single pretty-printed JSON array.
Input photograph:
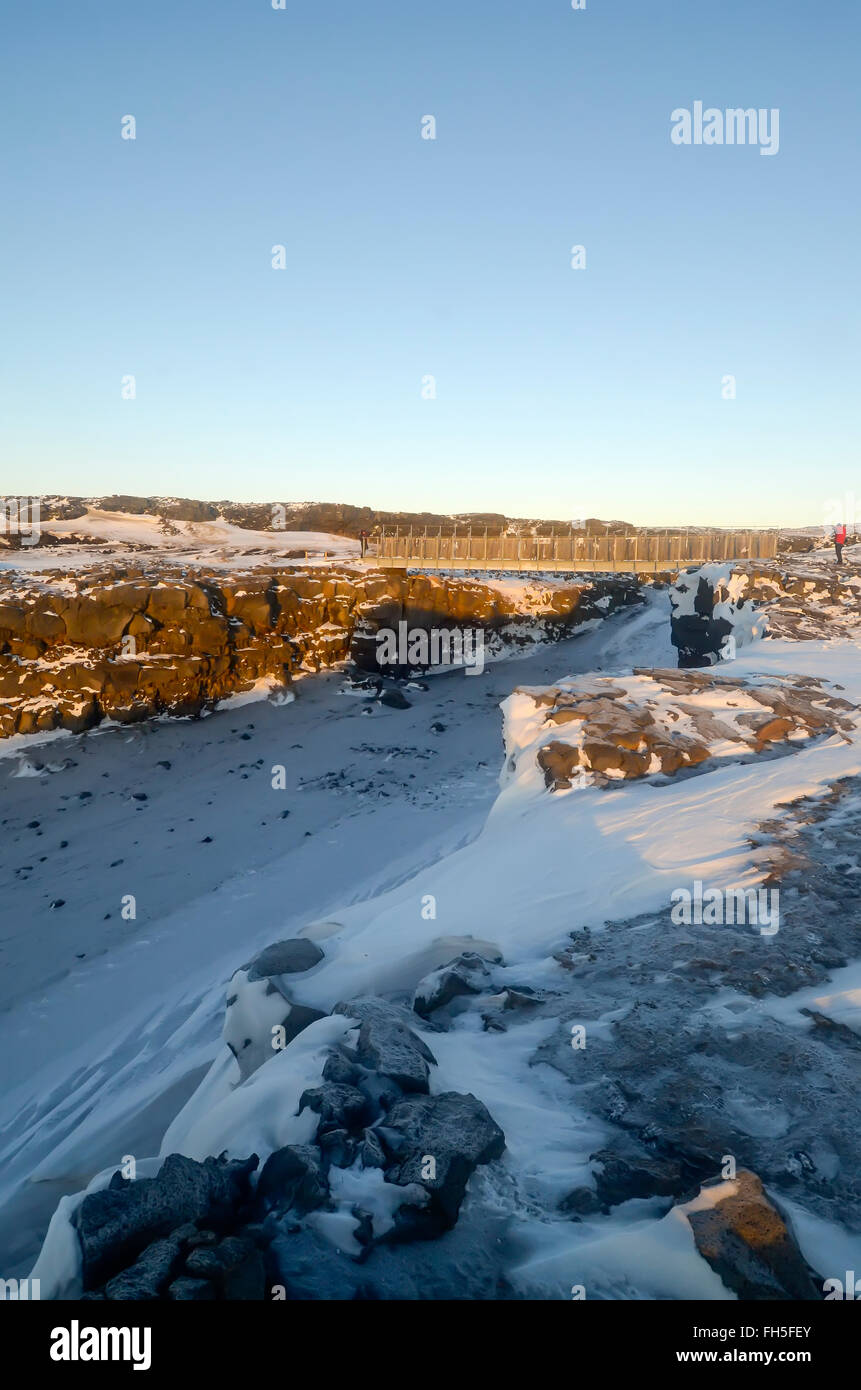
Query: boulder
[
  {"x": 293, "y": 1177},
  {"x": 339, "y": 1106},
  {"x": 148, "y": 1277},
  {"x": 747, "y": 1242},
  {"x": 457, "y": 1132},
  {"x": 118, "y": 1223},
  {"x": 464, "y": 976},
  {"x": 291, "y": 957},
  {"x": 386, "y": 1045},
  {"x": 235, "y": 1265},
  {"x": 621, "y": 1176},
  {"x": 394, "y": 699}
]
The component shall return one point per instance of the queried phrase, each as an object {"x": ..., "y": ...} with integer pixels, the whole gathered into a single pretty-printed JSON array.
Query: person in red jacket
[{"x": 839, "y": 541}]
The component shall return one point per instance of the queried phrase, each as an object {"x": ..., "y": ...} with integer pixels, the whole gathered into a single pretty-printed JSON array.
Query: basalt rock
[
  {"x": 130, "y": 641},
  {"x": 116, "y": 1225},
  {"x": 458, "y": 1133},
  {"x": 293, "y": 1177},
  {"x": 387, "y": 1046}
]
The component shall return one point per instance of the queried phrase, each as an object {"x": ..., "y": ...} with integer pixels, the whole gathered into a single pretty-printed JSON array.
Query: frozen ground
[{"x": 110, "y": 1025}]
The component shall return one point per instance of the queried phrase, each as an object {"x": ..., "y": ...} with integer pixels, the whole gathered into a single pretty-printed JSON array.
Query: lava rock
[
  {"x": 621, "y": 1177},
  {"x": 340, "y": 1070},
  {"x": 457, "y": 1131},
  {"x": 117, "y": 1224},
  {"x": 339, "y": 1107},
  {"x": 235, "y": 1266},
  {"x": 146, "y": 1279},
  {"x": 386, "y": 1045},
  {"x": 293, "y": 1177},
  {"x": 188, "y": 1290},
  {"x": 395, "y": 700},
  {"x": 338, "y": 1148},
  {"x": 291, "y": 957},
  {"x": 466, "y": 975}
]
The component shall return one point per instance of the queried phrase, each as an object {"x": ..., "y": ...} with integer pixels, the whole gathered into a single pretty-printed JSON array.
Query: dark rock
[
  {"x": 293, "y": 1177},
  {"x": 388, "y": 1046},
  {"x": 146, "y": 1279},
  {"x": 338, "y": 1148},
  {"x": 187, "y": 1290},
  {"x": 394, "y": 699},
  {"x": 291, "y": 957},
  {"x": 235, "y": 1265},
  {"x": 581, "y": 1202},
  {"x": 466, "y": 975},
  {"x": 117, "y": 1224},
  {"x": 339, "y": 1070},
  {"x": 371, "y": 1151},
  {"x": 455, "y": 1130},
  {"x": 620, "y": 1177},
  {"x": 339, "y": 1107}
]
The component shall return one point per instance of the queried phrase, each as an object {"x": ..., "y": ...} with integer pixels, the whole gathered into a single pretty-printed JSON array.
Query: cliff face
[
  {"x": 127, "y": 643},
  {"x": 718, "y": 608}
]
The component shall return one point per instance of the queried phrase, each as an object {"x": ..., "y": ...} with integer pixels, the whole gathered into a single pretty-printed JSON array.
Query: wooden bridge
[{"x": 642, "y": 552}]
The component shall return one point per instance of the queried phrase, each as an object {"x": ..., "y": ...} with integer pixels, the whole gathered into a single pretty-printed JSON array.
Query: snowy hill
[{"x": 73, "y": 543}]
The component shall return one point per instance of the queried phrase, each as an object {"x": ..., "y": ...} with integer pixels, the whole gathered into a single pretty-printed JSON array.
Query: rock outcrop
[
  {"x": 129, "y": 642},
  {"x": 134, "y": 1234},
  {"x": 717, "y": 609},
  {"x": 661, "y": 723}
]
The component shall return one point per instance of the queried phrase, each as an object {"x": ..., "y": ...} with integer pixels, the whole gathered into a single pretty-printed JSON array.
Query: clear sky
[{"x": 559, "y": 392}]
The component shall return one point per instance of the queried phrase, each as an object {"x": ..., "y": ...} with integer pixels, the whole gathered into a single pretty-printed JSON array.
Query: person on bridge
[{"x": 839, "y": 541}]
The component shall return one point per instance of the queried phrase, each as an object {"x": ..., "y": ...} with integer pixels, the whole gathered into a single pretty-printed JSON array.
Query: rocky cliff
[{"x": 128, "y": 642}]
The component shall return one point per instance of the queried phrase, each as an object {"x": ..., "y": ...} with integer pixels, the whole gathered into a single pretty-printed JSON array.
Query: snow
[
  {"x": 128, "y": 1040},
  {"x": 219, "y": 544}
]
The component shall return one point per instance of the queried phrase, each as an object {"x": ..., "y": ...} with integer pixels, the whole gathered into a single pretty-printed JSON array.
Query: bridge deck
[{"x": 646, "y": 552}]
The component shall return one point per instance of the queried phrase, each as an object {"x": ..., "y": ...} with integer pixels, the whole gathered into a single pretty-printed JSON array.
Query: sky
[{"x": 428, "y": 345}]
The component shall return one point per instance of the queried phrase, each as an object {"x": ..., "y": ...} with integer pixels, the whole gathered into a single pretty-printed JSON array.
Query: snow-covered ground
[
  {"x": 110, "y": 1025},
  {"x": 217, "y": 544}
]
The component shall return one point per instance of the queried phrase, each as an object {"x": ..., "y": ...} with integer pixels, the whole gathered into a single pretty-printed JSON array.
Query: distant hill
[{"x": 336, "y": 518}]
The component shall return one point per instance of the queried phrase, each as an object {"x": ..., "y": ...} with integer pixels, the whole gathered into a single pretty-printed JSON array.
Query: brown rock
[{"x": 749, "y": 1245}]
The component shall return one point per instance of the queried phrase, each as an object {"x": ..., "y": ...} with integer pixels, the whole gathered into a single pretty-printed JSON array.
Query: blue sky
[{"x": 559, "y": 393}]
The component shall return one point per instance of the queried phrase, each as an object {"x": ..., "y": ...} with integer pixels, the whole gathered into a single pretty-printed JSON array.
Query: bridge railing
[{"x": 640, "y": 551}]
